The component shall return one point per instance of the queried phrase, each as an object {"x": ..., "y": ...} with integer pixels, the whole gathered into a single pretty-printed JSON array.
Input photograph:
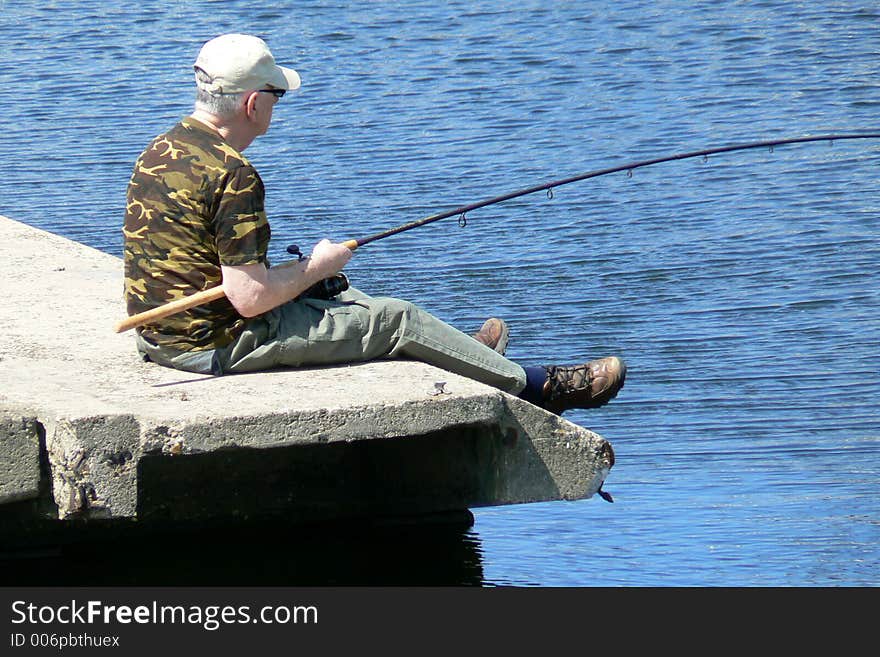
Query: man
[{"x": 195, "y": 219}]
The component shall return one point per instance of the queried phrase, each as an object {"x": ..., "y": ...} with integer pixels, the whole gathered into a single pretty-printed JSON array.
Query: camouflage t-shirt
[{"x": 194, "y": 203}]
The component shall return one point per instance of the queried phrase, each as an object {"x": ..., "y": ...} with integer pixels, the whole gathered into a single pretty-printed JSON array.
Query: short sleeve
[{"x": 242, "y": 229}]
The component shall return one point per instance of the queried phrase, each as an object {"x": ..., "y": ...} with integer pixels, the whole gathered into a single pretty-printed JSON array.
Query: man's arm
[{"x": 255, "y": 289}]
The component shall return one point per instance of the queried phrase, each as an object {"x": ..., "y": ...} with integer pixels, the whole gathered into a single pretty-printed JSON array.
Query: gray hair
[{"x": 222, "y": 105}]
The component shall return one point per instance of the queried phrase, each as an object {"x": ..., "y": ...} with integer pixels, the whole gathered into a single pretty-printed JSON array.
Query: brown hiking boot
[
  {"x": 493, "y": 334},
  {"x": 583, "y": 386}
]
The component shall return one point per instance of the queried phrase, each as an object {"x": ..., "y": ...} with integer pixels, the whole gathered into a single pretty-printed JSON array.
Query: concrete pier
[{"x": 92, "y": 438}]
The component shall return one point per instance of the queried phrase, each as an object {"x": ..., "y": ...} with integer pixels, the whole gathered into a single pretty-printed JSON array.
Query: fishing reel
[
  {"x": 327, "y": 288},
  {"x": 323, "y": 289}
]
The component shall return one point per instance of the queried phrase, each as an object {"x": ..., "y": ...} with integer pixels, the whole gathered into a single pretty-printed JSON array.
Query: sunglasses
[{"x": 278, "y": 93}]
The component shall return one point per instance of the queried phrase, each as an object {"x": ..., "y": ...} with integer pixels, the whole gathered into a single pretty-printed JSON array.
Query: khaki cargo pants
[{"x": 352, "y": 327}]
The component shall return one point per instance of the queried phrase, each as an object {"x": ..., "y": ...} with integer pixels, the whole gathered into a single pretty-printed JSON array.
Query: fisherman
[{"x": 195, "y": 219}]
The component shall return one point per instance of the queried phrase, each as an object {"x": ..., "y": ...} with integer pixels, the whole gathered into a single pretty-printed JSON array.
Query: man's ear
[{"x": 250, "y": 105}]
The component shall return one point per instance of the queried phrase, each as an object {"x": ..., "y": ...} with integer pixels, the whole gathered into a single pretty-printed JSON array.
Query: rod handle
[{"x": 193, "y": 300}]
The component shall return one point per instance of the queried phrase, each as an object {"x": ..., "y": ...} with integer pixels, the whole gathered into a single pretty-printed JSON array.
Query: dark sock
[{"x": 534, "y": 390}]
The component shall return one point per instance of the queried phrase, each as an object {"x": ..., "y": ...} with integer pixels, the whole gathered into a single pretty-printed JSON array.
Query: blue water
[{"x": 742, "y": 291}]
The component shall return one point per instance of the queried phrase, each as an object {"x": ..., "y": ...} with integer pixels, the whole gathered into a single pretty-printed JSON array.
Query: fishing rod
[
  {"x": 215, "y": 293},
  {"x": 549, "y": 186}
]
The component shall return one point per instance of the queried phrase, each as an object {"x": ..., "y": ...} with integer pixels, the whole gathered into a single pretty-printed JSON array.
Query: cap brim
[{"x": 285, "y": 78}]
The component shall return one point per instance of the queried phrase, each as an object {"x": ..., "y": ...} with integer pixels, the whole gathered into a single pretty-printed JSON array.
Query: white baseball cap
[{"x": 239, "y": 62}]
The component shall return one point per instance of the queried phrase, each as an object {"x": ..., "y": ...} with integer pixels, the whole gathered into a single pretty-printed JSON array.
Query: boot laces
[{"x": 565, "y": 380}]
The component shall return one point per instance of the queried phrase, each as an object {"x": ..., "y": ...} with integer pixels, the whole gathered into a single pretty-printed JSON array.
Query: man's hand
[
  {"x": 255, "y": 289},
  {"x": 329, "y": 258}
]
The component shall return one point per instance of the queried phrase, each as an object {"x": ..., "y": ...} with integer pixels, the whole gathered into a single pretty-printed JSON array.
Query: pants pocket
[{"x": 332, "y": 321}]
